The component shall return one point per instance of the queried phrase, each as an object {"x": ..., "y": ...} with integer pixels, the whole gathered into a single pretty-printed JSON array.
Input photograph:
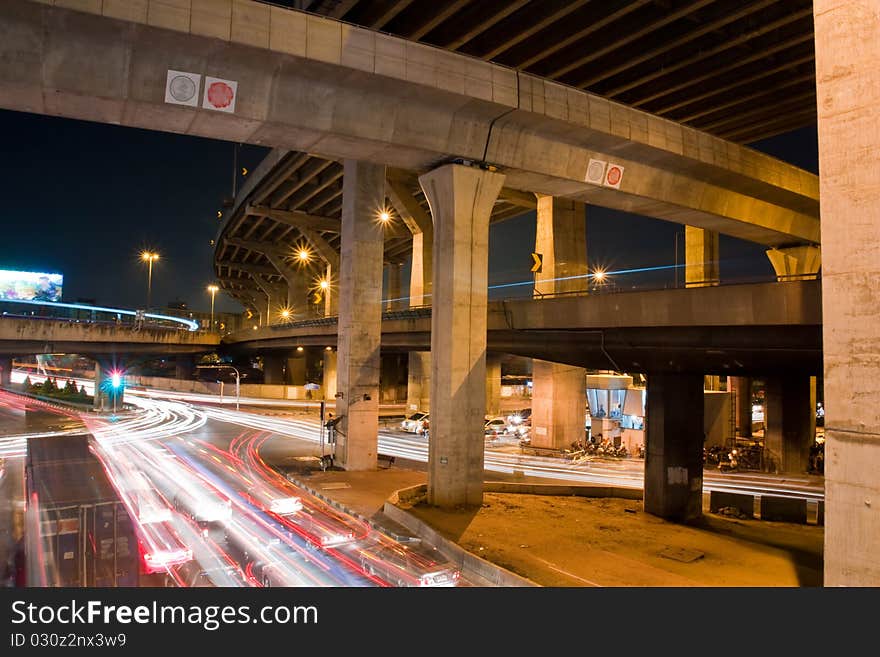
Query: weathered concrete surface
[
  {"x": 745, "y": 504},
  {"x": 558, "y": 404},
  {"x": 315, "y": 85},
  {"x": 461, "y": 200},
  {"x": 29, "y": 336},
  {"x": 5, "y": 370},
  {"x": 560, "y": 237},
  {"x": 790, "y": 424},
  {"x": 360, "y": 316},
  {"x": 674, "y": 449},
  {"x": 493, "y": 384},
  {"x": 329, "y": 383},
  {"x": 848, "y": 91},
  {"x": 701, "y": 257},
  {"x": 418, "y": 389},
  {"x": 741, "y": 387}
]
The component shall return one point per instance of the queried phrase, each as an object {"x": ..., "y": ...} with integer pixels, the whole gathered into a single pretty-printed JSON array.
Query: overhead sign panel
[
  {"x": 613, "y": 175},
  {"x": 182, "y": 88},
  {"x": 220, "y": 94},
  {"x": 30, "y": 285},
  {"x": 537, "y": 262}
]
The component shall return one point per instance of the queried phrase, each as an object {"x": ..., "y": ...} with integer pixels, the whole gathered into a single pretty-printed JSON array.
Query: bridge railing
[{"x": 37, "y": 310}]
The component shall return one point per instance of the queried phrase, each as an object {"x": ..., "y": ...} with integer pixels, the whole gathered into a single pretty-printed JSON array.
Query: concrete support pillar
[
  {"x": 418, "y": 382},
  {"x": 360, "y": 315},
  {"x": 393, "y": 293},
  {"x": 798, "y": 263},
  {"x": 420, "y": 274},
  {"x": 461, "y": 200},
  {"x": 741, "y": 386},
  {"x": 298, "y": 296},
  {"x": 558, "y": 404},
  {"x": 330, "y": 294},
  {"x": 674, "y": 446},
  {"x": 561, "y": 239},
  {"x": 100, "y": 400},
  {"x": 558, "y": 391},
  {"x": 329, "y": 383},
  {"x": 184, "y": 364},
  {"x": 273, "y": 369},
  {"x": 5, "y": 371},
  {"x": 712, "y": 382},
  {"x": 847, "y": 36},
  {"x": 493, "y": 384},
  {"x": 700, "y": 257},
  {"x": 790, "y": 424},
  {"x": 296, "y": 369}
]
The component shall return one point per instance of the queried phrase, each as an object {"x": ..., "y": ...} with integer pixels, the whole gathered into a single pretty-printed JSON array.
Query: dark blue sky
[{"x": 84, "y": 199}]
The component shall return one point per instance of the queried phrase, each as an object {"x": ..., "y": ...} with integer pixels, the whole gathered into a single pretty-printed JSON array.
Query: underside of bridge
[{"x": 741, "y": 70}]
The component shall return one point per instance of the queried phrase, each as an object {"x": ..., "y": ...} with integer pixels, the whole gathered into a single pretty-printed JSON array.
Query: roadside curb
[
  {"x": 341, "y": 507},
  {"x": 470, "y": 564}
]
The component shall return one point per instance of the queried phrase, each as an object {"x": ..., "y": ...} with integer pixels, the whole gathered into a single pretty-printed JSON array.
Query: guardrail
[{"x": 87, "y": 314}]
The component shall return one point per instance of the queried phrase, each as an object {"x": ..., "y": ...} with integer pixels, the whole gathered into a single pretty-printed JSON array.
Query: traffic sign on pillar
[{"x": 537, "y": 262}]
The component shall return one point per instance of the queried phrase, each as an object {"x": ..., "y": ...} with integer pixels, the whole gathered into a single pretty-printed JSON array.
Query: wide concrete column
[
  {"x": 797, "y": 263},
  {"x": 493, "y": 384},
  {"x": 329, "y": 383},
  {"x": 298, "y": 296},
  {"x": 420, "y": 275},
  {"x": 273, "y": 369},
  {"x": 558, "y": 404},
  {"x": 558, "y": 391},
  {"x": 5, "y": 370},
  {"x": 184, "y": 364},
  {"x": 847, "y": 38},
  {"x": 418, "y": 382},
  {"x": 741, "y": 386},
  {"x": 560, "y": 237},
  {"x": 674, "y": 446},
  {"x": 700, "y": 257},
  {"x": 461, "y": 200},
  {"x": 296, "y": 369},
  {"x": 393, "y": 291},
  {"x": 100, "y": 400},
  {"x": 360, "y": 315},
  {"x": 790, "y": 424}
]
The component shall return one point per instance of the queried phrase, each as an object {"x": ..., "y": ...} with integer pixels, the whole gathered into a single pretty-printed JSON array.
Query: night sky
[{"x": 85, "y": 199}]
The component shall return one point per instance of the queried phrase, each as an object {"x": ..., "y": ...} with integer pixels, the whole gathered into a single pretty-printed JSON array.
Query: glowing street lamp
[
  {"x": 115, "y": 385},
  {"x": 149, "y": 257},
  {"x": 213, "y": 289},
  {"x": 303, "y": 255}
]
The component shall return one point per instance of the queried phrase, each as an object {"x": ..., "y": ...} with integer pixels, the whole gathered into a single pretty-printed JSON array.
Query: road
[{"x": 210, "y": 511}]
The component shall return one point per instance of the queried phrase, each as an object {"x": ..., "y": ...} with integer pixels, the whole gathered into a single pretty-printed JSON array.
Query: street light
[
  {"x": 213, "y": 290},
  {"x": 237, "y": 378},
  {"x": 115, "y": 384},
  {"x": 149, "y": 257}
]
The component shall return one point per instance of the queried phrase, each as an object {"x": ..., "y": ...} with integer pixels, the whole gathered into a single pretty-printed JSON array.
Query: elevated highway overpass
[
  {"x": 467, "y": 130},
  {"x": 737, "y": 330}
]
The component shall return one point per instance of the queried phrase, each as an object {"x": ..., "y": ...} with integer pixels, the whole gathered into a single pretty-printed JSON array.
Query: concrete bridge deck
[{"x": 734, "y": 329}]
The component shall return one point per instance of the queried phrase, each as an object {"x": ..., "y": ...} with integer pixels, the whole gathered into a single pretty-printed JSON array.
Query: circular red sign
[
  {"x": 614, "y": 175},
  {"x": 220, "y": 94}
]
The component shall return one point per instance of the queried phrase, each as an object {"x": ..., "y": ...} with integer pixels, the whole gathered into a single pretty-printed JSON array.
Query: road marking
[{"x": 565, "y": 572}]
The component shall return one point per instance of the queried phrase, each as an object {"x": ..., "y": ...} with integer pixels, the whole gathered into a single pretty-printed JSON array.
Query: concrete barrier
[
  {"x": 783, "y": 509},
  {"x": 470, "y": 564},
  {"x": 745, "y": 504},
  {"x": 562, "y": 489}
]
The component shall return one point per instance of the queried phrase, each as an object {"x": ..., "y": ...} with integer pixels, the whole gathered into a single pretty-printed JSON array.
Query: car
[
  {"x": 519, "y": 417},
  {"x": 495, "y": 427},
  {"x": 413, "y": 564},
  {"x": 414, "y": 423}
]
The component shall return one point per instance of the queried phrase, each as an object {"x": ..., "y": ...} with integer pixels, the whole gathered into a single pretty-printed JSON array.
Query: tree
[
  {"x": 70, "y": 387},
  {"x": 27, "y": 385}
]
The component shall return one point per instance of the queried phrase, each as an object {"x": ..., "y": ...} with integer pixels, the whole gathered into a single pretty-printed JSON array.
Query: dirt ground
[{"x": 578, "y": 541}]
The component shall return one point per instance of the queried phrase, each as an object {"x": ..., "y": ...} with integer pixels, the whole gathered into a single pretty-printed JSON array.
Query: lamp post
[
  {"x": 237, "y": 379},
  {"x": 213, "y": 290},
  {"x": 149, "y": 257}
]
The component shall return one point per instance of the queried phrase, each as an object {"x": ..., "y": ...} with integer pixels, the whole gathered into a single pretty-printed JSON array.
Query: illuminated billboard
[{"x": 30, "y": 285}]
